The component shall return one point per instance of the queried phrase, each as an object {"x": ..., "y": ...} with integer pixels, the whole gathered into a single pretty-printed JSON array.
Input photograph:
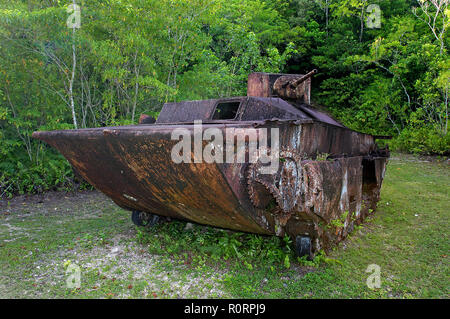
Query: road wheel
[
  {"x": 303, "y": 246},
  {"x": 143, "y": 219}
]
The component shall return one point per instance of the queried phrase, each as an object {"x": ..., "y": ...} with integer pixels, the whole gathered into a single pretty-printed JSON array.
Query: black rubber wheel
[
  {"x": 303, "y": 246},
  {"x": 143, "y": 219}
]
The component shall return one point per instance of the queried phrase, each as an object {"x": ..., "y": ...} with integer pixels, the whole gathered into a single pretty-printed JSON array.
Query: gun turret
[
  {"x": 294, "y": 87},
  {"x": 290, "y": 86}
]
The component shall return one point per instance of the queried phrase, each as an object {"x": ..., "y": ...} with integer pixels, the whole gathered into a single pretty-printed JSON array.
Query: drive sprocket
[{"x": 284, "y": 184}]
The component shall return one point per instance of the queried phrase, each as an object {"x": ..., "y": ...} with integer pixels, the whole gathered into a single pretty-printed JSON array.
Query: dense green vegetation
[{"x": 130, "y": 56}]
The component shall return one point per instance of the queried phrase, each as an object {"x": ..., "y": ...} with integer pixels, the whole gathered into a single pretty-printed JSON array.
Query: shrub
[{"x": 424, "y": 140}]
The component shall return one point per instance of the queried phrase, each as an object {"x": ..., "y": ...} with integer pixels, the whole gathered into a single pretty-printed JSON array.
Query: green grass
[{"x": 407, "y": 238}]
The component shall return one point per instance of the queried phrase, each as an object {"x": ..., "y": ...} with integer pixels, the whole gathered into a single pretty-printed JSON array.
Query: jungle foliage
[{"x": 128, "y": 57}]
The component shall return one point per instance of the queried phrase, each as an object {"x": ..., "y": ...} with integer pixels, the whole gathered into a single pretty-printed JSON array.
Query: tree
[{"x": 435, "y": 14}]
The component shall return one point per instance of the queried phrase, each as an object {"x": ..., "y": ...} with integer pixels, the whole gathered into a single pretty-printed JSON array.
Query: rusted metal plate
[{"x": 176, "y": 112}]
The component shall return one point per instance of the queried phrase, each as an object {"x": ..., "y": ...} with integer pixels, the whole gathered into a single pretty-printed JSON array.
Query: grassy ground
[{"x": 41, "y": 236}]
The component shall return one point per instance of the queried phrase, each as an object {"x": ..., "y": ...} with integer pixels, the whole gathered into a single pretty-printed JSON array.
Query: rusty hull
[
  {"x": 328, "y": 181},
  {"x": 133, "y": 166}
]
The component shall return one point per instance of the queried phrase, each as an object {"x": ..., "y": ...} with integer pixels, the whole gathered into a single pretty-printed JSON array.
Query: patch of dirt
[
  {"x": 59, "y": 200},
  {"x": 419, "y": 158},
  {"x": 120, "y": 258},
  {"x": 123, "y": 259}
]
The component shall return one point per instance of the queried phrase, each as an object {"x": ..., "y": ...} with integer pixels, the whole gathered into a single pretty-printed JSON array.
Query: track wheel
[
  {"x": 303, "y": 246},
  {"x": 143, "y": 219}
]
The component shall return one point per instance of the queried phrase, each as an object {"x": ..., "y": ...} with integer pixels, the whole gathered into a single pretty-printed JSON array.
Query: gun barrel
[{"x": 303, "y": 78}]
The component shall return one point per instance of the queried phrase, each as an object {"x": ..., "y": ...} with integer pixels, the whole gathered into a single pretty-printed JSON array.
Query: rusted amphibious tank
[{"x": 300, "y": 172}]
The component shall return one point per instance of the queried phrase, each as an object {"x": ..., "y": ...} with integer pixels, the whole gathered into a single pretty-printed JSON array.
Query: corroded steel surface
[{"x": 328, "y": 178}]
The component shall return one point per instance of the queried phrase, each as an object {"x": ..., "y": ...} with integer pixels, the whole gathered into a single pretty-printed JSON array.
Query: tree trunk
[
  {"x": 362, "y": 23},
  {"x": 74, "y": 66}
]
